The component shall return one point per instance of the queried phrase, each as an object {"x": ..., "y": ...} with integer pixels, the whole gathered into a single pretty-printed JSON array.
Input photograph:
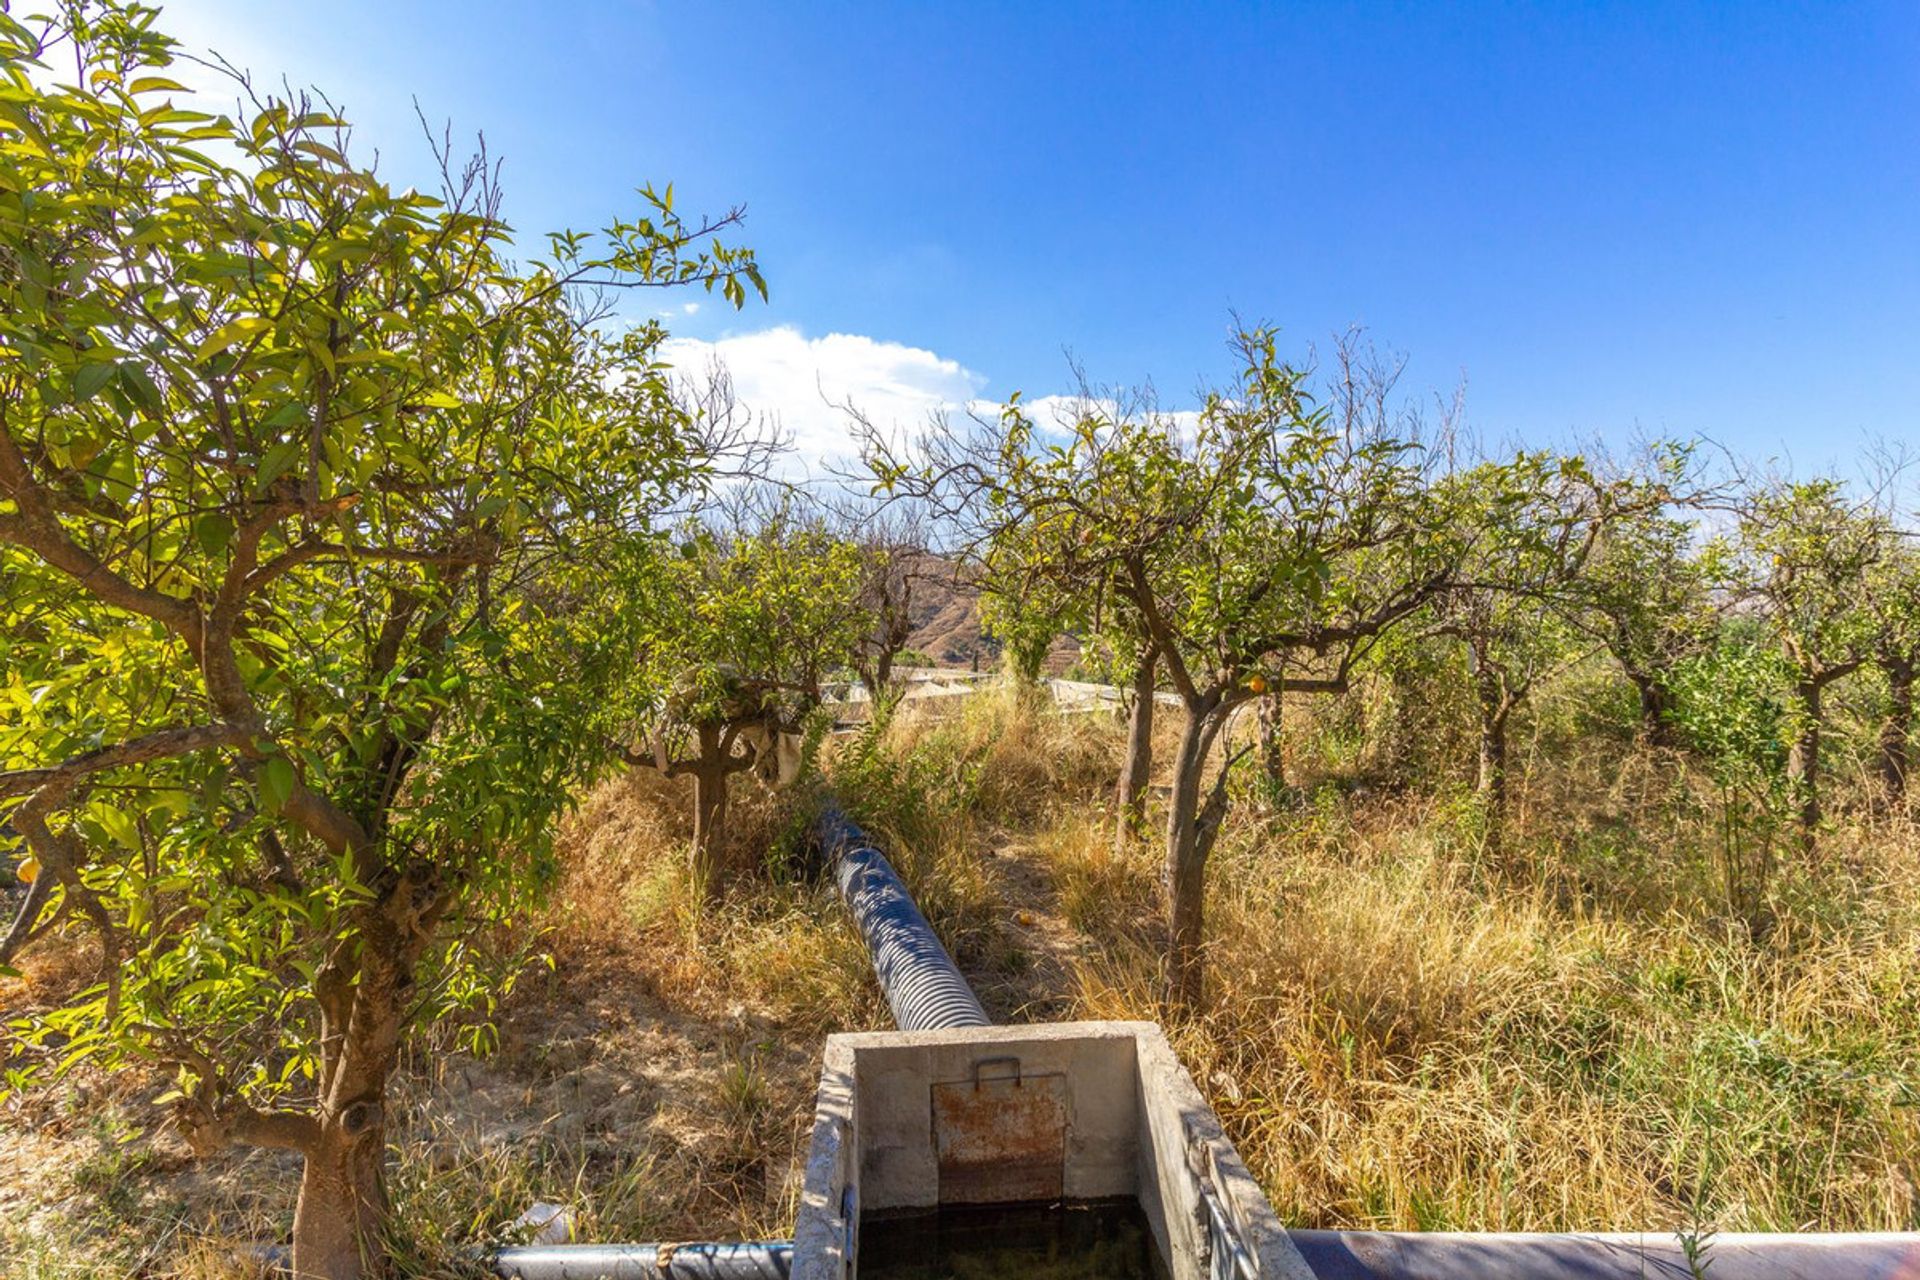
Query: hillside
[{"x": 946, "y": 624}]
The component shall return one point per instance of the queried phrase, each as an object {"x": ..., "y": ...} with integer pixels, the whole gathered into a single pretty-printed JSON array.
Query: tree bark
[
  {"x": 1656, "y": 706},
  {"x": 1273, "y": 758},
  {"x": 364, "y": 1005},
  {"x": 342, "y": 1207},
  {"x": 876, "y": 674},
  {"x": 1896, "y": 735},
  {"x": 1490, "y": 782},
  {"x": 709, "y": 805},
  {"x": 1187, "y": 847},
  {"x": 1803, "y": 761},
  {"x": 1130, "y": 797}
]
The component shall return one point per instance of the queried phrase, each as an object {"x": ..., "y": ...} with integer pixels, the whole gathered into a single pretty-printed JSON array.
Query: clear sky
[{"x": 1604, "y": 218}]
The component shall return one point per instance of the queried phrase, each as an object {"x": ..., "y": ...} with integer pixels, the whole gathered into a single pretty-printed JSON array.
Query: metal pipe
[
  {"x": 748, "y": 1260},
  {"x": 922, "y": 984},
  {"x": 751, "y": 1260},
  {"x": 1449, "y": 1255}
]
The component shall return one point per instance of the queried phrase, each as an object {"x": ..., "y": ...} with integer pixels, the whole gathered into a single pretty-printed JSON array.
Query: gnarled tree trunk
[
  {"x": 1273, "y": 756},
  {"x": 710, "y": 772},
  {"x": 1490, "y": 780},
  {"x": 365, "y": 992},
  {"x": 1192, "y": 823},
  {"x": 1656, "y": 708},
  {"x": 1896, "y": 734},
  {"x": 343, "y": 1204},
  {"x": 1130, "y": 796},
  {"x": 1803, "y": 760}
]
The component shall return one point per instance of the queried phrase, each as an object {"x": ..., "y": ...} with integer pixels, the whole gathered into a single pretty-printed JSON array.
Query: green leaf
[
  {"x": 275, "y": 464},
  {"x": 213, "y": 532},
  {"x": 91, "y": 378},
  {"x": 276, "y": 783},
  {"x": 136, "y": 378},
  {"x": 237, "y": 330},
  {"x": 120, "y": 827}
]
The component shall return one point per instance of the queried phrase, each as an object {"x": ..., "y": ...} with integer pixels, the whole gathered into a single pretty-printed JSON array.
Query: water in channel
[{"x": 1070, "y": 1240}]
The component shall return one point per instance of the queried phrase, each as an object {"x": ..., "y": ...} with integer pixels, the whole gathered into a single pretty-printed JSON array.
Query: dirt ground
[{"x": 658, "y": 1086}]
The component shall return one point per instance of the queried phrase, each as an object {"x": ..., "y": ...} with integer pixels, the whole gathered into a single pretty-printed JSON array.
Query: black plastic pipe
[{"x": 922, "y": 984}]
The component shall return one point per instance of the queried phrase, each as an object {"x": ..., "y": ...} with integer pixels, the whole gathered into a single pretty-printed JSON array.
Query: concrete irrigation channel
[{"x": 948, "y": 1117}]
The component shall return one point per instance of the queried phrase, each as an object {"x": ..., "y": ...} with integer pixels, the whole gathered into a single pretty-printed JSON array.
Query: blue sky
[{"x": 1606, "y": 219}]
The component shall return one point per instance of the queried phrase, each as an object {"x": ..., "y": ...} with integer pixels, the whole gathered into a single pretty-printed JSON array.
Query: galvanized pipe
[
  {"x": 752, "y": 1260},
  {"x": 748, "y": 1260},
  {"x": 922, "y": 984},
  {"x": 1451, "y": 1255}
]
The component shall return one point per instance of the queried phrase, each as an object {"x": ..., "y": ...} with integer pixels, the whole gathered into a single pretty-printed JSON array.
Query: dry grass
[
  {"x": 658, "y": 1081},
  {"x": 1402, "y": 1033},
  {"x": 1583, "y": 1036}
]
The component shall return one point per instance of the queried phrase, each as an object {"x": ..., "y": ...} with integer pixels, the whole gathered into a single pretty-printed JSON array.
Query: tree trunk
[
  {"x": 1130, "y": 797},
  {"x": 1803, "y": 762},
  {"x": 1656, "y": 706},
  {"x": 709, "y": 807},
  {"x": 1186, "y": 870},
  {"x": 876, "y": 674},
  {"x": 338, "y": 1222},
  {"x": 1896, "y": 735},
  {"x": 1490, "y": 781},
  {"x": 343, "y": 1205},
  {"x": 1273, "y": 758}
]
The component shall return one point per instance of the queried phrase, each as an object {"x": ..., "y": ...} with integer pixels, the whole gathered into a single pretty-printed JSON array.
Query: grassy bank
[{"x": 1402, "y": 1032}]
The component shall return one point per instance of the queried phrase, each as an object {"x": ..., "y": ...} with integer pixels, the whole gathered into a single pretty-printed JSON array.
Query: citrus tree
[
  {"x": 292, "y": 469},
  {"x": 1892, "y": 598},
  {"x": 1803, "y": 557},
  {"x": 739, "y": 626},
  {"x": 1731, "y": 706},
  {"x": 1645, "y": 595},
  {"x": 1532, "y": 524},
  {"x": 1269, "y": 537}
]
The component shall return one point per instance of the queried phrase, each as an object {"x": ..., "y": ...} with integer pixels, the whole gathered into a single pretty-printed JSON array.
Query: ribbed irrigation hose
[{"x": 922, "y": 984}]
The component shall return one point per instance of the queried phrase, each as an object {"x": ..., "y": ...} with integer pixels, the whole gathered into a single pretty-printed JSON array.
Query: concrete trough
[{"x": 1087, "y": 1111}]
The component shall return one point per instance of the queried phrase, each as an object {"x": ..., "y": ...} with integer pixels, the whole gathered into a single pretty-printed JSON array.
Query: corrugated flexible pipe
[{"x": 922, "y": 984}]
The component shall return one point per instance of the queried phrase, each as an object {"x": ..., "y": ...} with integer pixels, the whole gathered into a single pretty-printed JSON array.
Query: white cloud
[{"x": 805, "y": 385}]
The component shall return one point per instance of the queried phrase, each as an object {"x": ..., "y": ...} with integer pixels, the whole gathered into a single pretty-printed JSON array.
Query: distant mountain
[{"x": 946, "y": 623}]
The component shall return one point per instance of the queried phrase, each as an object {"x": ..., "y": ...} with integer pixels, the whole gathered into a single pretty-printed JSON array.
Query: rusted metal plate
[{"x": 1001, "y": 1138}]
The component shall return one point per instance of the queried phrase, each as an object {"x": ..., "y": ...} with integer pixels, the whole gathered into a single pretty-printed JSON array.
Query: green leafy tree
[
  {"x": 1645, "y": 594},
  {"x": 1270, "y": 536},
  {"x": 1023, "y": 624},
  {"x": 1533, "y": 525},
  {"x": 1891, "y": 594},
  {"x": 1729, "y": 706},
  {"x": 291, "y": 465},
  {"x": 1803, "y": 557},
  {"x": 738, "y": 632}
]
